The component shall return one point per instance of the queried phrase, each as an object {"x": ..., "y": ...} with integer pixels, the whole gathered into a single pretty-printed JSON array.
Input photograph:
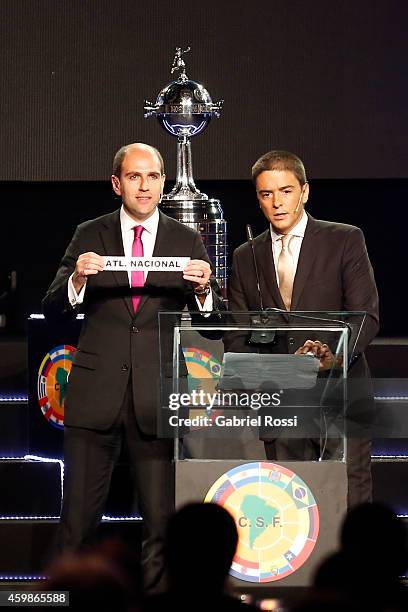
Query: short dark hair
[
  {"x": 205, "y": 535},
  {"x": 280, "y": 160},
  {"x": 120, "y": 156}
]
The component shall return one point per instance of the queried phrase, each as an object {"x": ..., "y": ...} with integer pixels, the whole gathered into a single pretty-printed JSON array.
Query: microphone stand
[{"x": 260, "y": 337}]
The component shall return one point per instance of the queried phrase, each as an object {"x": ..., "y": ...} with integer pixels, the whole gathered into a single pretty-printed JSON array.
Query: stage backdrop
[{"x": 324, "y": 79}]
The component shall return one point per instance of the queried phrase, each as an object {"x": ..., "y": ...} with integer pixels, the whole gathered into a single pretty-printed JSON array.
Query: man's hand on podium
[{"x": 322, "y": 352}]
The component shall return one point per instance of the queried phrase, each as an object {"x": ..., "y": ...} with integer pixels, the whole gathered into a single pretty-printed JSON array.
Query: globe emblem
[
  {"x": 184, "y": 108},
  {"x": 52, "y": 382},
  {"x": 277, "y": 518}
]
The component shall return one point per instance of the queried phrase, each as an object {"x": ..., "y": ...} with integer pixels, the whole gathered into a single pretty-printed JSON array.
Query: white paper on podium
[{"x": 255, "y": 370}]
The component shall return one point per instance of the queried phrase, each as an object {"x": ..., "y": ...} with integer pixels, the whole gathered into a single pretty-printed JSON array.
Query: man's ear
[
  {"x": 305, "y": 196},
  {"x": 116, "y": 185}
]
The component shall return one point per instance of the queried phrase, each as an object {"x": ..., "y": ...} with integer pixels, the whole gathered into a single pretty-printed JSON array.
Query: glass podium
[{"x": 242, "y": 392}]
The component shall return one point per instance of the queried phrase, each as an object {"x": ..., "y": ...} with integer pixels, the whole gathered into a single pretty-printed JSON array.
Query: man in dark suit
[
  {"x": 307, "y": 265},
  {"x": 113, "y": 390}
]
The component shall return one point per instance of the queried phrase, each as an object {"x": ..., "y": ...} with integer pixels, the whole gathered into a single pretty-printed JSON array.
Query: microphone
[
  {"x": 262, "y": 337},
  {"x": 250, "y": 238},
  {"x": 296, "y": 315},
  {"x": 310, "y": 317},
  {"x": 300, "y": 198}
]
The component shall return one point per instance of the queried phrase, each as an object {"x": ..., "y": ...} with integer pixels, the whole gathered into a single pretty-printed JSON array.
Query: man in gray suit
[
  {"x": 113, "y": 390},
  {"x": 306, "y": 265}
]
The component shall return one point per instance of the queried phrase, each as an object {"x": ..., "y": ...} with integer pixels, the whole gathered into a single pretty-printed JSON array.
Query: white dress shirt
[
  {"x": 148, "y": 240},
  {"x": 298, "y": 233}
]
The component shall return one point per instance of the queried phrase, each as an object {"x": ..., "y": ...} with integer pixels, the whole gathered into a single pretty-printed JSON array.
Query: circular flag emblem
[
  {"x": 52, "y": 383},
  {"x": 201, "y": 364},
  {"x": 203, "y": 369},
  {"x": 277, "y": 519}
]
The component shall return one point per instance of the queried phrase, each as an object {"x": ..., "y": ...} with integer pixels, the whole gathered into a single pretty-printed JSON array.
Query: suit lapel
[
  {"x": 266, "y": 265},
  {"x": 307, "y": 256},
  {"x": 111, "y": 236}
]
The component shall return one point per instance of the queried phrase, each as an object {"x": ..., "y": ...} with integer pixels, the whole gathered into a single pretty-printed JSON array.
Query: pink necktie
[{"x": 137, "y": 277}]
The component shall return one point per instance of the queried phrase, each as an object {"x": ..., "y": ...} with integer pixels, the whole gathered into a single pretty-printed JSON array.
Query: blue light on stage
[
  {"x": 18, "y": 577},
  {"x": 28, "y": 518},
  {"x": 13, "y": 398},
  {"x": 121, "y": 518}
]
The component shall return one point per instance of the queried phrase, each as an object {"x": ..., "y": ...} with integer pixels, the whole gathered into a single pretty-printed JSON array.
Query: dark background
[{"x": 326, "y": 80}]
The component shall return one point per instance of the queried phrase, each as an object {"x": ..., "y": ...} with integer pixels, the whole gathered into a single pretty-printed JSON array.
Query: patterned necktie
[
  {"x": 285, "y": 271},
  {"x": 137, "y": 277}
]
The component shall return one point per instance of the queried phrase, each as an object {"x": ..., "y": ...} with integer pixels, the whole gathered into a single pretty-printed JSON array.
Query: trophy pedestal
[{"x": 206, "y": 217}]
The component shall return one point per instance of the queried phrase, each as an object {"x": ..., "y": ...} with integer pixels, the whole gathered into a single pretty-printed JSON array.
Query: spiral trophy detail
[{"x": 184, "y": 109}]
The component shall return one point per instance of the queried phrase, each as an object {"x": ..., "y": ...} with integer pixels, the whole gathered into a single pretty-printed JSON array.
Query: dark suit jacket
[
  {"x": 333, "y": 274},
  {"x": 115, "y": 343}
]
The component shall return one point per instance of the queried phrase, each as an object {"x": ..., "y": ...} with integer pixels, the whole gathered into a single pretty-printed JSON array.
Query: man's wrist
[
  {"x": 78, "y": 282},
  {"x": 203, "y": 289}
]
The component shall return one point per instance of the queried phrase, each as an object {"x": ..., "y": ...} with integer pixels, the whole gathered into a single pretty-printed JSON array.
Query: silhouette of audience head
[
  {"x": 373, "y": 535},
  {"x": 332, "y": 573},
  {"x": 93, "y": 583},
  {"x": 365, "y": 571},
  {"x": 125, "y": 556},
  {"x": 201, "y": 542}
]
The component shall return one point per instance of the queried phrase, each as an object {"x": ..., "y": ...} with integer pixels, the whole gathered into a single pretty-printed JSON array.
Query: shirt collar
[
  {"x": 150, "y": 224},
  {"x": 298, "y": 230}
]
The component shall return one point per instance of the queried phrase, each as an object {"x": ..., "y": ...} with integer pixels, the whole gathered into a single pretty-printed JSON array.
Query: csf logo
[
  {"x": 53, "y": 375},
  {"x": 259, "y": 521},
  {"x": 277, "y": 519}
]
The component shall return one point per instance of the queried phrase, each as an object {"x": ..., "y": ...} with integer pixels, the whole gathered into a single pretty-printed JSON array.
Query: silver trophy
[{"x": 184, "y": 108}]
